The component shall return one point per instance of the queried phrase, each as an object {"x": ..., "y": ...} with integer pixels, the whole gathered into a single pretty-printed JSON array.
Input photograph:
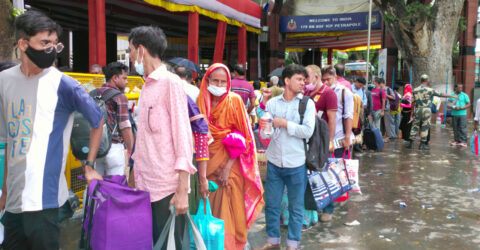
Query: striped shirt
[
  {"x": 36, "y": 122},
  {"x": 243, "y": 89}
]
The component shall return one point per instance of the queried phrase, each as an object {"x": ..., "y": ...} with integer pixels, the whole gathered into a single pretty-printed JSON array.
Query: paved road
[{"x": 439, "y": 177}]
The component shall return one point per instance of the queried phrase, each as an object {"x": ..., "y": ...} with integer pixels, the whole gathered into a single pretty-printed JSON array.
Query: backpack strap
[
  {"x": 109, "y": 94},
  {"x": 302, "y": 106}
]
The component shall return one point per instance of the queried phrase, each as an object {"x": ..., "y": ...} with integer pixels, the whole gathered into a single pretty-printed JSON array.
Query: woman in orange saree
[{"x": 238, "y": 200}]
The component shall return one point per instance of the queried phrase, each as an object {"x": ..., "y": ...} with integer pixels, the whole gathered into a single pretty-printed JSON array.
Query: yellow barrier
[{"x": 73, "y": 167}]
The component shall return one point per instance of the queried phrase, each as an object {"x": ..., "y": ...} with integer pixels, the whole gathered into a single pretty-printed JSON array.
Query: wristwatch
[{"x": 89, "y": 163}]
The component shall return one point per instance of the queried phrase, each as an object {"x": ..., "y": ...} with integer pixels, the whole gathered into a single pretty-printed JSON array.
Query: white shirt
[
  {"x": 191, "y": 90},
  {"x": 477, "y": 112}
]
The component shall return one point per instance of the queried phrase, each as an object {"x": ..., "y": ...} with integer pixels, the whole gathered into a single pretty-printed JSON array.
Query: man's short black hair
[
  {"x": 189, "y": 76},
  {"x": 379, "y": 80},
  {"x": 456, "y": 84},
  {"x": 181, "y": 72},
  {"x": 257, "y": 85},
  {"x": 240, "y": 69},
  {"x": 340, "y": 69},
  {"x": 6, "y": 64},
  {"x": 152, "y": 38},
  {"x": 114, "y": 68},
  {"x": 329, "y": 70},
  {"x": 361, "y": 80},
  {"x": 293, "y": 69},
  {"x": 32, "y": 22}
]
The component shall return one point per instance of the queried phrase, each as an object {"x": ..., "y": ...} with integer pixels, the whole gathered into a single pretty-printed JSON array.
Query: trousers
[{"x": 421, "y": 120}]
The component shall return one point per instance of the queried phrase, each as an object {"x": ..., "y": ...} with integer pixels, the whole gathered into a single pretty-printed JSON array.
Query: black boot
[
  {"x": 423, "y": 146},
  {"x": 410, "y": 145}
]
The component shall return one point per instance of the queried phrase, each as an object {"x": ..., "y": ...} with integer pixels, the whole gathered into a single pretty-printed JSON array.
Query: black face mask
[{"x": 40, "y": 58}]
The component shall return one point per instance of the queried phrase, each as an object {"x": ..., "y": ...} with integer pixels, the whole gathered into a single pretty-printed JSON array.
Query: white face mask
[
  {"x": 139, "y": 66},
  {"x": 217, "y": 91}
]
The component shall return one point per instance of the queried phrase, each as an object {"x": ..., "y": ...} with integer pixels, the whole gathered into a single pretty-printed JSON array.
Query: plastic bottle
[{"x": 268, "y": 129}]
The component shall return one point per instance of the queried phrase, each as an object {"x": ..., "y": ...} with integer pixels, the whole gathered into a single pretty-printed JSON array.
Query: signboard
[
  {"x": 324, "y": 7},
  {"x": 382, "y": 63},
  {"x": 334, "y": 22}
]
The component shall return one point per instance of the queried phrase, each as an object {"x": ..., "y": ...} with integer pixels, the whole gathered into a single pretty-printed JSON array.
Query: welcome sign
[{"x": 332, "y": 22}]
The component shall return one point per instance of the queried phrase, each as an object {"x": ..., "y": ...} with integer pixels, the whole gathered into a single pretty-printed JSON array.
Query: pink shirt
[
  {"x": 345, "y": 83},
  {"x": 377, "y": 101},
  {"x": 164, "y": 138}
]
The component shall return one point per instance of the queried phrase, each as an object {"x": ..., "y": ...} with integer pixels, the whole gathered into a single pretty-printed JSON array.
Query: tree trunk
[
  {"x": 6, "y": 30},
  {"x": 426, "y": 42}
]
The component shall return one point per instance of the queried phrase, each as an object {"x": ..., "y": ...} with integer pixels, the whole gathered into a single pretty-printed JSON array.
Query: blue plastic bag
[{"x": 211, "y": 228}]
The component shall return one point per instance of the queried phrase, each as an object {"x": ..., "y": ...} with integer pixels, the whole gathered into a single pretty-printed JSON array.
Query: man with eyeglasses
[{"x": 36, "y": 106}]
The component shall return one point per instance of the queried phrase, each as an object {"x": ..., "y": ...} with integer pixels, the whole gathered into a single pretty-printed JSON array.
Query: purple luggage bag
[{"x": 117, "y": 217}]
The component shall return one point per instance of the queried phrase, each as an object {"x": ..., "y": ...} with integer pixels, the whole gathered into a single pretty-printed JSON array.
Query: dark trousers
[
  {"x": 460, "y": 128},
  {"x": 160, "y": 214},
  {"x": 32, "y": 230}
]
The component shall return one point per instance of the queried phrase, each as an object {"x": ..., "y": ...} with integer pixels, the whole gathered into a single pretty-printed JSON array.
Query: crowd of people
[{"x": 184, "y": 136}]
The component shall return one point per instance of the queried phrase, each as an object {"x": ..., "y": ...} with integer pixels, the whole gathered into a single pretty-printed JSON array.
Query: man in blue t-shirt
[{"x": 459, "y": 114}]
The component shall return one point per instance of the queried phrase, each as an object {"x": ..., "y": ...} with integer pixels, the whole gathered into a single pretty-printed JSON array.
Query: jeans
[
  {"x": 296, "y": 181},
  {"x": 376, "y": 118},
  {"x": 394, "y": 124},
  {"x": 338, "y": 153},
  {"x": 460, "y": 128}
]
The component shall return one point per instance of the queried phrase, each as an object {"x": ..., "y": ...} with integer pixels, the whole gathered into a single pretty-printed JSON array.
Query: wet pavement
[{"x": 440, "y": 178}]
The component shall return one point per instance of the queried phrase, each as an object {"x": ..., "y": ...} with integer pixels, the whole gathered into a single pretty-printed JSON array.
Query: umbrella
[
  {"x": 179, "y": 61},
  {"x": 276, "y": 72}
]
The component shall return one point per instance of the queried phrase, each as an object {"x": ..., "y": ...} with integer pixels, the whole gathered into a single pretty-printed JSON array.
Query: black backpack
[
  {"x": 318, "y": 144},
  {"x": 80, "y": 138}
]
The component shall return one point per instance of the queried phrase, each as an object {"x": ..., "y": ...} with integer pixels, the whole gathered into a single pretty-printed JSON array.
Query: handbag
[
  {"x": 169, "y": 231},
  {"x": 211, "y": 229},
  {"x": 330, "y": 184},
  {"x": 116, "y": 216}
]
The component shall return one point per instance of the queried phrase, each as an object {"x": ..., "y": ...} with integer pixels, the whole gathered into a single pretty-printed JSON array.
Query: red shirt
[
  {"x": 325, "y": 99},
  {"x": 243, "y": 88}
]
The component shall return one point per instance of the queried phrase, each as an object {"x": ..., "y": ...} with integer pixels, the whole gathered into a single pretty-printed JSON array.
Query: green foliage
[
  {"x": 462, "y": 23},
  {"x": 18, "y": 12},
  {"x": 415, "y": 11},
  {"x": 418, "y": 9}
]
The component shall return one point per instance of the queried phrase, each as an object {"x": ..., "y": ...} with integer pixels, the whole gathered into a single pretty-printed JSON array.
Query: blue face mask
[{"x": 139, "y": 66}]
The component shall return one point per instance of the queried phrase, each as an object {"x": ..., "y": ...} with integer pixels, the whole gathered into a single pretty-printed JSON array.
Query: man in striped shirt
[{"x": 241, "y": 87}]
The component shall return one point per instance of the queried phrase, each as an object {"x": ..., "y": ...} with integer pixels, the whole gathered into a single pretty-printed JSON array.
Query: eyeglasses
[{"x": 57, "y": 47}]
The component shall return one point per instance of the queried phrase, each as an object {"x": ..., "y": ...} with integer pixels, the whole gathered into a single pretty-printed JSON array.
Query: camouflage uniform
[{"x": 422, "y": 95}]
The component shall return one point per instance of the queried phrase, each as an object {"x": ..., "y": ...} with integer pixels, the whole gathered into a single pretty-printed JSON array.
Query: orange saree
[{"x": 240, "y": 202}]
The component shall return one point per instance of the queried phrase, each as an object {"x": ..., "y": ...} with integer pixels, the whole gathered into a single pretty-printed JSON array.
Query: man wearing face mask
[
  {"x": 163, "y": 146},
  {"x": 36, "y": 115}
]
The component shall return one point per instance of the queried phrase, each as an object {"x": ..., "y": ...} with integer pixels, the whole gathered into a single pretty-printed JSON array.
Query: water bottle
[{"x": 268, "y": 129}]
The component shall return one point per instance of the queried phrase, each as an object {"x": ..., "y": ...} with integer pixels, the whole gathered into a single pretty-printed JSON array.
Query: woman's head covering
[
  {"x": 205, "y": 97},
  {"x": 407, "y": 89}
]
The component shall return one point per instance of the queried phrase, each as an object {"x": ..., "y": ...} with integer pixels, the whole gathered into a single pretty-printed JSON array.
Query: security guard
[{"x": 422, "y": 98}]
